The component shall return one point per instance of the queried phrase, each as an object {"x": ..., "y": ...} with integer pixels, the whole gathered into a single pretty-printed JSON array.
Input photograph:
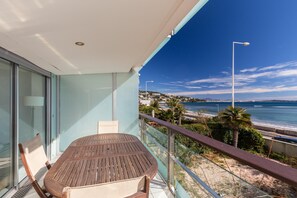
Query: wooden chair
[
  {"x": 34, "y": 160},
  {"x": 129, "y": 188},
  {"x": 108, "y": 127}
]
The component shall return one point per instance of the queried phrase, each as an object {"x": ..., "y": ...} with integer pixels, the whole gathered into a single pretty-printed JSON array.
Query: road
[
  {"x": 266, "y": 133},
  {"x": 270, "y": 135}
]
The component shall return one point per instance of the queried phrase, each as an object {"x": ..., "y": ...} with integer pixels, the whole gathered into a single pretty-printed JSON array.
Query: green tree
[
  {"x": 235, "y": 118},
  {"x": 180, "y": 111},
  {"x": 176, "y": 109},
  {"x": 155, "y": 104},
  {"x": 166, "y": 115}
]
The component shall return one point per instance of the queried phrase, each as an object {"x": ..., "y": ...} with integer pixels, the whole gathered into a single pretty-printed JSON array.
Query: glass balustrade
[{"x": 198, "y": 172}]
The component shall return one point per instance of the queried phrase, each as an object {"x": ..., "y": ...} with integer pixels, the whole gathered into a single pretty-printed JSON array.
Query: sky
[{"x": 197, "y": 61}]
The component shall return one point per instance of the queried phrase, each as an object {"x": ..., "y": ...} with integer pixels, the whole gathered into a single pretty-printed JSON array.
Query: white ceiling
[{"x": 118, "y": 34}]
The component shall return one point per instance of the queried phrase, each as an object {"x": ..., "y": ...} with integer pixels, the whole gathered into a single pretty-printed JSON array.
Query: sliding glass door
[
  {"x": 5, "y": 127},
  {"x": 24, "y": 111},
  {"x": 31, "y": 108}
]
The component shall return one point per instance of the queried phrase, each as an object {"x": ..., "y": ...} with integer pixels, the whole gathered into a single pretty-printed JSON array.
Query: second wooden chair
[{"x": 108, "y": 127}]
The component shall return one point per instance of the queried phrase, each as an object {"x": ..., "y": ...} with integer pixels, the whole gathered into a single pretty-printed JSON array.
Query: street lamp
[
  {"x": 149, "y": 81},
  {"x": 239, "y": 43}
]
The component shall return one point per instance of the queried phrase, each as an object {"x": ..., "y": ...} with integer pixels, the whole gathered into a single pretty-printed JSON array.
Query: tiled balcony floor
[{"x": 158, "y": 189}]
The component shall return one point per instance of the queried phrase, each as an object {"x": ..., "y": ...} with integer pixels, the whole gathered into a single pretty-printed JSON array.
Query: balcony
[
  {"x": 77, "y": 85},
  {"x": 213, "y": 169},
  {"x": 223, "y": 171}
]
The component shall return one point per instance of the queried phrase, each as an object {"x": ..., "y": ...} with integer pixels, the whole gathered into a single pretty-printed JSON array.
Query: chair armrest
[{"x": 48, "y": 165}]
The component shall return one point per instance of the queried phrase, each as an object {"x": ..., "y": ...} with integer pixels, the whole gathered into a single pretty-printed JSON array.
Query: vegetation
[
  {"x": 232, "y": 126},
  {"x": 251, "y": 139},
  {"x": 292, "y": 161},
  {"x": 235, "y": 118},
  {"x": 176, "y": 110},
  {"x": 220, "y": 127},
  {"x": 173, "y": 114},
  {"x": 147, "y": 109},
  {"x": 160, "y": 96}
]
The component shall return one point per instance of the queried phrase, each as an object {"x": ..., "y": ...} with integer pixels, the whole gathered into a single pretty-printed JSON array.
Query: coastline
[
  {"x": 258, "y": 125},
  {"x": 275, "y": 114}
]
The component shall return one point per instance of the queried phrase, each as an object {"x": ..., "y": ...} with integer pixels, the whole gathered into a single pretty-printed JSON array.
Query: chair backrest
[
  {"x": 136, "y": 187},
  {"x": 108, "y": 127},
  {"x": 33, "y": 155},
  {"x": 34, "y": 160}
]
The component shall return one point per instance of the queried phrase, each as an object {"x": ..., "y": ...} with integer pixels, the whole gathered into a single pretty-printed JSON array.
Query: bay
[{"x": 274, "y": 114}]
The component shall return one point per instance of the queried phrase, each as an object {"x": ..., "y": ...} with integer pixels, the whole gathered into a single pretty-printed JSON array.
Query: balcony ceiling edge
[{"x": 115, "y": 36}]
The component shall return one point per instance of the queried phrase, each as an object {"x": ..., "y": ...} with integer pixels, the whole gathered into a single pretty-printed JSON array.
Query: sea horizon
[{"x": 272, "y": 113}]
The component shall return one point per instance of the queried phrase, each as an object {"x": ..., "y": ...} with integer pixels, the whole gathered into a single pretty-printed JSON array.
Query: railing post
[
  {"x": 142, "y": 129},
  {"x": 170, "y": 164}
]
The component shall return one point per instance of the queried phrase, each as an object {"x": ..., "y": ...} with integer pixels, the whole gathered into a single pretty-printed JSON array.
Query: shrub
[
  {"x": 165, "y": 115},
  {"x": 250, "y": 139},
  {"x": 162, "y": 129},
  {"x": 189, "y": 121},
  {"x": 291, "y": 161},
  {"x": 146, "y": 109},
  {"x": 220, "y": 132},
  {"x": 200, "y": 128},
  {"x": 191, "y": 144}
]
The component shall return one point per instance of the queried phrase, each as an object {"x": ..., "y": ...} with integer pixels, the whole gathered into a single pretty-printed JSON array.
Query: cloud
[
  {"x": 192, "y": 87},
  {"x": 279, "y": 66},
  {"x": 240, "y": 90},
  {"x": 291, "y": 72},
  {"x": 249, "y": 70},
  {"x": 176, "y": 84},
  {"x": 276, "y": 78},
  {"x": 166, "y": 83},
  {"x": 240, "y": 79},
  {"x": 252, "y": 77},
  {"x": 244, "y": 79},
  {"x": 210, "y": 80}
]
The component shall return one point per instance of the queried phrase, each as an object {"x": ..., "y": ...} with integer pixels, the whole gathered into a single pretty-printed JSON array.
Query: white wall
[{"x": 282, "y": 147}]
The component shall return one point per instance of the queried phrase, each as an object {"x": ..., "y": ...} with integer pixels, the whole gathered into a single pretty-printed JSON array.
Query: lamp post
[
  {"x": 149, "y": 81},
  {"x": 233, "y": 46}
]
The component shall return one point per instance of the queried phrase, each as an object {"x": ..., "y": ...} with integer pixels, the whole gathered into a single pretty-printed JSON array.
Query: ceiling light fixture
[{"x": 79, "y": 43}]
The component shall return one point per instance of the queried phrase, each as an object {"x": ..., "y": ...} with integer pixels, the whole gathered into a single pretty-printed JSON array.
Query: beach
[
  {"x": 291, "y": 131},
  {"x": 274, "y": 115}
]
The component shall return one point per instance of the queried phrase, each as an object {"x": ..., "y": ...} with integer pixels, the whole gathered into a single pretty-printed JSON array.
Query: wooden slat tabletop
[{"x": 100, "y": 159}]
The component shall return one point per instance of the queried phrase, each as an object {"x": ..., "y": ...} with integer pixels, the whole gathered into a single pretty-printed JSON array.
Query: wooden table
[{"x": 100, "y": 159}]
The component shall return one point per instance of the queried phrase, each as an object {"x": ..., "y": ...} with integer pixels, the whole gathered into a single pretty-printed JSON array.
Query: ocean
[{"x": 274, "y": 114}]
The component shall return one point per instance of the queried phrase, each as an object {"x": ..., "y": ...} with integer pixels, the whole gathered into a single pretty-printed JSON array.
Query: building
[{"x": 64, "y": 65}]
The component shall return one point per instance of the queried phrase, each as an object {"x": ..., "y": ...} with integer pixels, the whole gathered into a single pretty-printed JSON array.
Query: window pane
[
  {"x": 5, "y": 129},
  {"x": 31, "y": 107}
]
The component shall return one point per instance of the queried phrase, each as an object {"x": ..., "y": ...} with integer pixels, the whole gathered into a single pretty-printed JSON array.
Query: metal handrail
[{"x": 282, "y": 172}]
